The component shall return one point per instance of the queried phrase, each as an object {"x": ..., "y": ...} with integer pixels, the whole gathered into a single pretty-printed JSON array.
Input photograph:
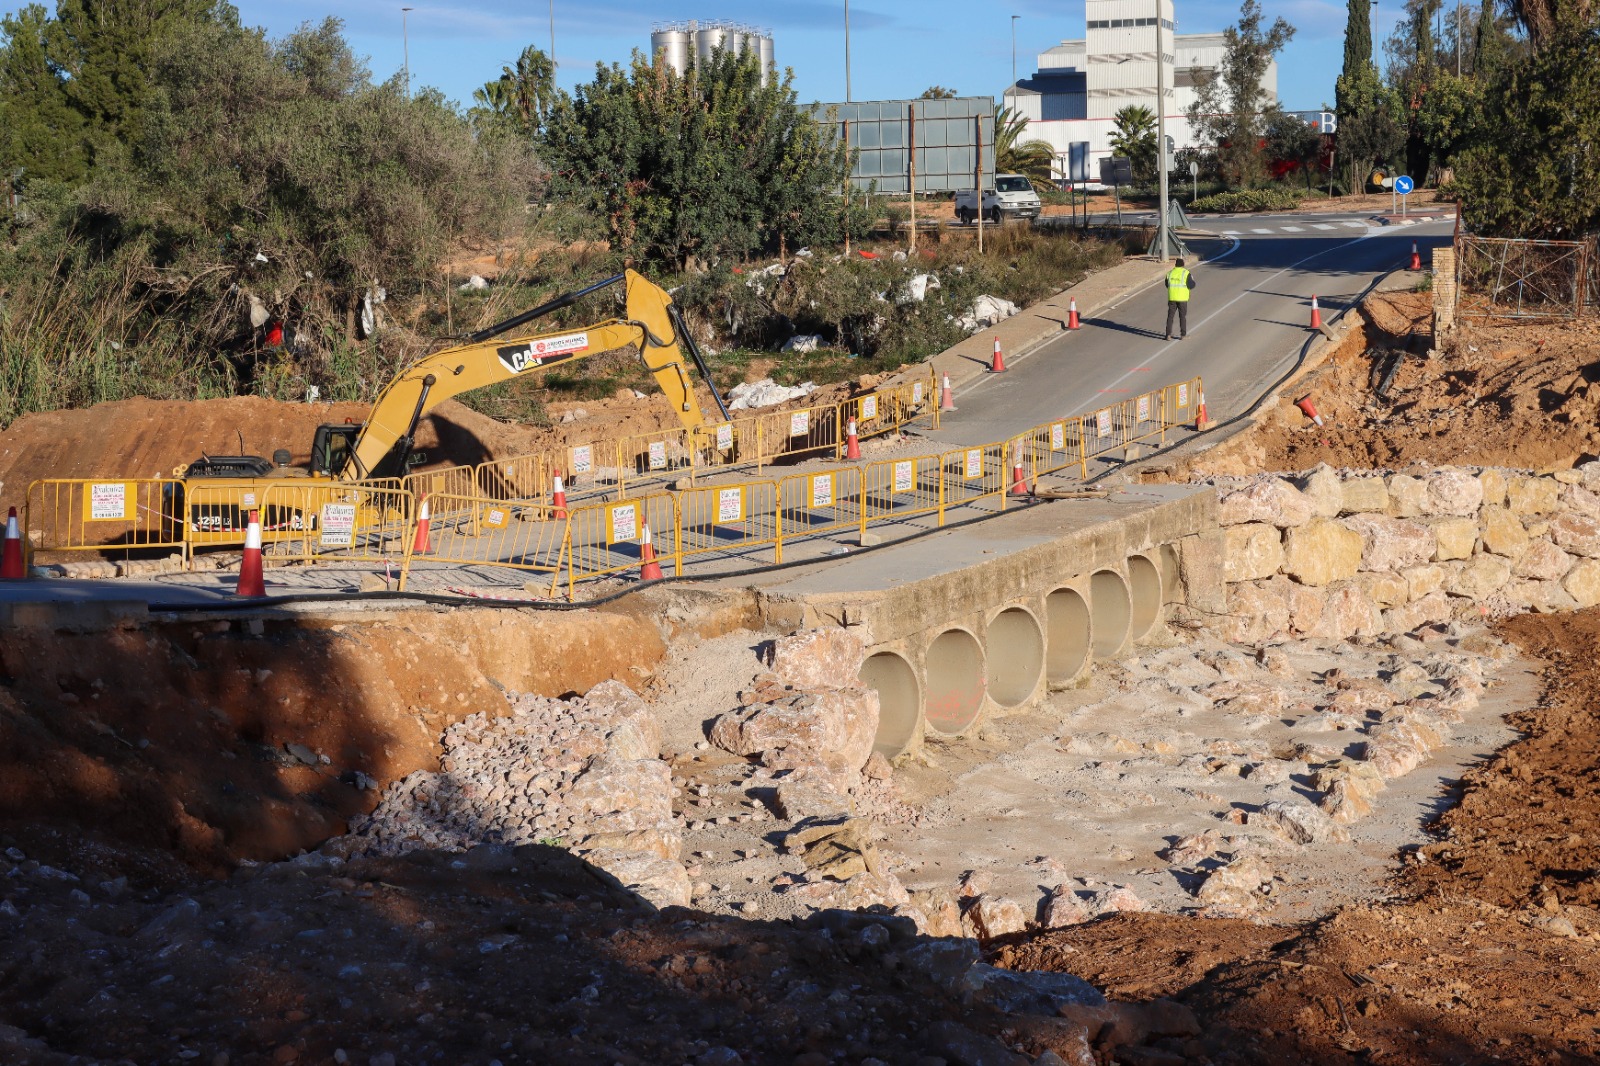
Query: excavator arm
[{"x": 650, "y": 321}]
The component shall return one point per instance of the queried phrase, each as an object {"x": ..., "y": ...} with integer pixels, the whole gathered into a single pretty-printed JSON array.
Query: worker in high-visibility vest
[{"x": 1179, "y": 282}]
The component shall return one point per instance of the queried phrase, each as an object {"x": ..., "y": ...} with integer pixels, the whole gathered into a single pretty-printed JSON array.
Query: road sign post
[{"x": 1403, "y": 185}]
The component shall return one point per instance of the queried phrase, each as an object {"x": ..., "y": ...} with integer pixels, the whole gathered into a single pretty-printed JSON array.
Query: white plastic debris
[
  {"x": 916, "y": 288},
  {"x": 765, "y": 393},
  {"x": 802, "y": 343},
  {"x": 985, "y": 312},
  {"x": 473, "y": 284}
]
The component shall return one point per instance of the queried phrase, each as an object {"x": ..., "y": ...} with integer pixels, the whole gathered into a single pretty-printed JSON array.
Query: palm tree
[
  {"x": 1032, "y": 159},
  {"x": 1135, "y": 139},
  {"x": 523, "y": 96}
]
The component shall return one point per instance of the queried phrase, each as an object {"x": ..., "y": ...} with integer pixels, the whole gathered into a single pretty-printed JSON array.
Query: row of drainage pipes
[{"x": 964, "y": 674}]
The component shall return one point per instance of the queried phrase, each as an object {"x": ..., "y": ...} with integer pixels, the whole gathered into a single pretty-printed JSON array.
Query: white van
[{"x": 1011, "y": 197}]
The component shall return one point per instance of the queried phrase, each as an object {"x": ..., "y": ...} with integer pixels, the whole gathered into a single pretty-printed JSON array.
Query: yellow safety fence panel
[
  {"x": 103, "y": 514},
  {"x": 303, "y": 520},
  {"x": 1053, "y": 447},
  {"x": 217, "y": 514},
  {"x": 896, "y": 489},
  {"x": 607, "y": 538},
  {"x": 454, "y": 482},
  {"x": 651, "y": 458},
  {"x": 523, "y": 536},
  {"x": 974, "y": 473},
  {"x": 728, "y": 519},
  {"x": 820, "y": 502}
]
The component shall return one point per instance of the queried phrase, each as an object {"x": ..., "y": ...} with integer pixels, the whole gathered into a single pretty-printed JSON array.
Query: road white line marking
[
  {"x": 1294, "y": 229},
  {"x": 1260, "y": 230},
  {"x": 1231, "y": 232},
  {"x": 1320, "y": 225}
]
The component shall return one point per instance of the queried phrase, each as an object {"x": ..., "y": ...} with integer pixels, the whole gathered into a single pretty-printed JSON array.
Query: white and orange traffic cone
[
  {"x": 649, "y": 569},
  {"x": 422, "y": 544},
  {"x": 1019, "y": 483},
  {"x": 1416, "y": 257},
  {"x": 947, "y": 401},
  {"x": 1202, "y": 420},
  {"x": 251, "y": 583},
  {"x": 999, "y": 364},
  {"x": 1316, "y": 314},
  {"x": 11, "y": 564},
  {"x": 852, "y": 444},
  {"x": 1308, "y": 408},
  {"x": 1072, "y": 312},
  {"x": 558, "y": 497}
]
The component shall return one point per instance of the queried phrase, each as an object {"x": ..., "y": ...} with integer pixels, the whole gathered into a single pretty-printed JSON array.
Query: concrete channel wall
[{"x": 983, "y": 620}]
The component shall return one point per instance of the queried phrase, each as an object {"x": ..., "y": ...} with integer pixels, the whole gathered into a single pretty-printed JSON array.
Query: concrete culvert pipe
[
  {"x": 1169, "y": 573},
  {"x": 955, "y": 682},
  {"x": 1144, "y": 592},
  {"x": 1110, "y": 613},
  {"x": 1067, "y": 618},
  {"x": 899, "y": 701},
  {"x": 1016, "y": 656}
]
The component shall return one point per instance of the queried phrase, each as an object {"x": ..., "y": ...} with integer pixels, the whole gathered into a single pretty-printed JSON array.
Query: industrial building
[
  {"x": 1081, "y": 84},
  {"x": 681, "y": 44}
]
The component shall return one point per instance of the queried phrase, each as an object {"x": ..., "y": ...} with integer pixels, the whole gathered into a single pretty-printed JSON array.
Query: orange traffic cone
[
  {"x": 250, "y": 581},
  {"x": 423, "y": 544},
  {"x": 1072, "y": 313},
  {"x": 1416, "y": 257},
  {"x": 1019, "y": 484},
  {"x": 649, "y": 569},
  {"x": 1309, "y": 408},
  {"x": 999, "y": 364},
  {"x": 1202, "y": 420},
  {"x": 1316, "y": 314},
  {"x": 947, "y": 402},
  {"x": 558, "y": 497},
  {"x": 11, "y": 566},
  {"x": 852, "y": 445}
]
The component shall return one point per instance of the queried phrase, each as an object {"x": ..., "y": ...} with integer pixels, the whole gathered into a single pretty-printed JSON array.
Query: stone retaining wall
[{"x": 1331, "y": 555}]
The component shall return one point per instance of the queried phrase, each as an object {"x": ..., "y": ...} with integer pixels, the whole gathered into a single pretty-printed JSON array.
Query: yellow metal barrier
[
  {"x": 896, "y": 489},
  {"x": 305, "y": 520},
  {"x": 605, "y": 538},
  {"x": 818, "y": 503},
  {"x": 523, "y": 536},
  {"x": 728, "y": 519},
  {"x": 644, "y": 458},
  {"x": 216, "y": 515},
  {"x": 971, "y": 474},
  {"x": 103, "y": 514},
  {"x": 443, "y": 486}
]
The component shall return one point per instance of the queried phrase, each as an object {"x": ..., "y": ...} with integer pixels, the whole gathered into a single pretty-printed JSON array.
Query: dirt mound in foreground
[{"x": 1493, "y": 395}]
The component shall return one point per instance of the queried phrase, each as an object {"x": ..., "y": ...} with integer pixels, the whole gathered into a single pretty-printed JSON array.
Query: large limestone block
[
  {"x": 660, "y": 882},
  {"x": 1385, "y": 589},
  {"x": 1434, "y": 607},
  {"x": 1577, "y": 533},
  {"x": 1589, "y": 475},
  {"x": 1546, "y": 597},
  {"x": 1452, "y": 491},
  {"x": 635, "y": 732},
  {"x": 1347, "y": 613},
  {"x": 1408, "y": 496},
  {"x": 1503, "y": 533},
  {"x": 1391, "y": 543},
  {"x": 1274, "y": 501},
  {"x": 1306, "y": 604},
  {"x": 1256, "y": 611},
  {"x": 1253, "y": 550},
  {"x": 1365, "y": 494},
  {"x": 1579, "y": 499},
  {"x": 1583, "y": 583},
  {"x": 842, "y": 722},
  {"x": 620, "y": 795},
  {"x": 1323, "y": 489},
  {"x": 1532, "y": 495},
  {"x": 1479, "y": 578},
  {"x": 1494, "y": 487},
  {"x": 819, "y": 659},
  {"x": 1542, "y": 561},
  {"x": 1297, "y": 822},
  {"x": 1321, "y": 552},
  {"x": 1455, "y": 537},
  {"x": 1421, "y": 580}
]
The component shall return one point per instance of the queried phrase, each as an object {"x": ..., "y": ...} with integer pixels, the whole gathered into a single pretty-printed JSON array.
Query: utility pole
[
  {"x": 405, "y": 45},
  {"x": 911, "y": 123},
  {"x": 847, "y": 51},
  {"x": 977, "y": 123},
  {"x": 1014, "y": 19},
  {"x": 1161, "y": 135},
  {"x": 552, "y": 35}
]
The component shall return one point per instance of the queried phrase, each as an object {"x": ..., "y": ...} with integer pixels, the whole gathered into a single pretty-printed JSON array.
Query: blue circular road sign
[{"x": 1403, "y": 185}]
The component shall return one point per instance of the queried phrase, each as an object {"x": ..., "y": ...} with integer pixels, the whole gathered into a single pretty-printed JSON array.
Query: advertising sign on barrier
[
  {"x": 1183, "y": 395},
  {"x": 904, "y": 475},
  {"x": 730, "y": 505},
  {"x": 822, "y": 490},
  {"x": 107, "y": 501},
  {"x": 974, "y": 467},
  {"x": 724, "y": 436},
  {"x": 622, "y": 523},
  {"x": 496, "y": 517},
  {"x": 582, "y": 459},
  {"x": 799, "y": 423},
  {"x": 338, "y": 525},
  {"x": 1102, "y": 422},
  {"x": 1144, "y": 408},
  {"x": 658, "y": 455},
  {"x": 869, "y": 407},
  {"x": 1058, "y": 436}
]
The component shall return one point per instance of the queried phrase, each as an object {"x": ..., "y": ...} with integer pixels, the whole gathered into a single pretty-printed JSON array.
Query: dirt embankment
[{"x": 1520, "y": 396}]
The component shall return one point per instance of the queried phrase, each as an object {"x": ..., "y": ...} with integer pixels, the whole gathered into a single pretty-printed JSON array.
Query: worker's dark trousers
[{"x": 1180, "y": 308}]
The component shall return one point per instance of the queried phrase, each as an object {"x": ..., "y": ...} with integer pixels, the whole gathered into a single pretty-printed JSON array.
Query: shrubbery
[{"x": 1249, "y": 200}]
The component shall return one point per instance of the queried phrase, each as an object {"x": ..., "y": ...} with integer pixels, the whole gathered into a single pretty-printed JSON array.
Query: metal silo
[
  {"x": 708, "y": 39},
  {"x": 674, "y": 45},
  {"x": 764, "y": 49}
]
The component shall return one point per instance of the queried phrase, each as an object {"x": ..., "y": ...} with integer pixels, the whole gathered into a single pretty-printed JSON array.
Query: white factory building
[{"x": 1081, "y": 84}]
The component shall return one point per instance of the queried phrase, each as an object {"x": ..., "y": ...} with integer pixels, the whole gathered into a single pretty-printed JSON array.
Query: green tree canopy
[
  {"x": 1134, "y": 138},
  {"x": 41, "y": 133},
  {"x": 1013, "y": 154},
  {"x": 1230, "y": 105},
  {"x": 937, "y": 92},
  {"x": 717, "y": 161},
  {"x": 1291, "y": 139},
  {"x": 521, "y": 99}
]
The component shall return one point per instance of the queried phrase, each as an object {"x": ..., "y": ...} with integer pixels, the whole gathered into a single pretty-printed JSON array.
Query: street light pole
[
  {"x": 1014, "y": 19},
  {"x": 1161, "y": 135},
  {"x": 552, "y": 34},
  {"x": 405, "y": 45},
  {"x": 847, "y": 51}
]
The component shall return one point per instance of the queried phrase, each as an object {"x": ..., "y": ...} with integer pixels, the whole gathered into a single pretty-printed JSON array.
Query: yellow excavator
[{"x": 219, "y": 491}]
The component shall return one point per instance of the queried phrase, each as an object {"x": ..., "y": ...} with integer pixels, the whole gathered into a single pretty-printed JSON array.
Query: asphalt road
[{"x": 1248, "y": 318}]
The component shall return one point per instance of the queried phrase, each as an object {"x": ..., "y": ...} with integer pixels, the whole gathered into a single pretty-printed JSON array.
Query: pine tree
[
  {"x": 41, "y": 136},
  {"x": 1489, "y": 50},
  {"x": 1357, "y": 43}
]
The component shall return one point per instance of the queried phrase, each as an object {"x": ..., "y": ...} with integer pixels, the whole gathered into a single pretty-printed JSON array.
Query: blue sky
[{"x": 897, "y": 48}]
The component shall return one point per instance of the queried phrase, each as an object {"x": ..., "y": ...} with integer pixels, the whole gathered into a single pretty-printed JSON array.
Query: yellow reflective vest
[{"x": 1178, "y": 285}]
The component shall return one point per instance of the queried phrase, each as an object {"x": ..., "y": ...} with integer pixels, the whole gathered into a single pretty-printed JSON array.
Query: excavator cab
[{"x": 332, "y": 447}]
